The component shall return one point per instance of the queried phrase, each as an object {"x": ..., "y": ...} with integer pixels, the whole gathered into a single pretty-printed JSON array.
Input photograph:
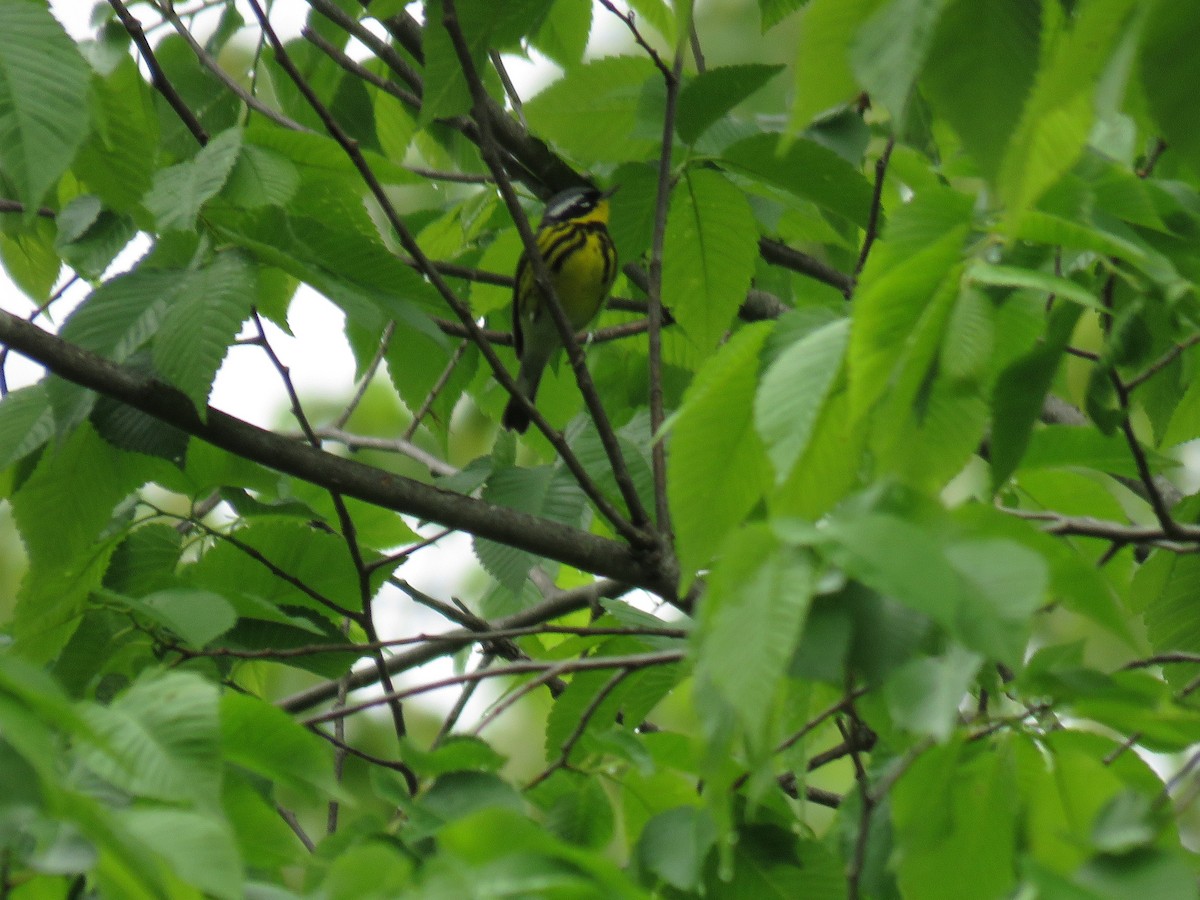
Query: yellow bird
[{"x": 580, "y": 256}]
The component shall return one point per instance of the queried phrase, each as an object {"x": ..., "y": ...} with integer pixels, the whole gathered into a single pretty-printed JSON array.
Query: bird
[{"x": 581, "y": 260}]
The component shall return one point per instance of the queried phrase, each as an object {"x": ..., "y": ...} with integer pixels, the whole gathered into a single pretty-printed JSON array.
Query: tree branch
[{"x": 550, "y": 539}]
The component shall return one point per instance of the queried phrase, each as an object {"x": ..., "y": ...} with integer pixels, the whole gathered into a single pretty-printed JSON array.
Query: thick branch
[{"x": 572, "y": 546}]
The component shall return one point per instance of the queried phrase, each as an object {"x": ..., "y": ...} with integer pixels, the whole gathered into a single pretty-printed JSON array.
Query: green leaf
[
  {"x": 674, "y": 844},
  {"x": 888, "y": 305},
  {"x": 717, "y": 467},
  {"x": 181, "y": 190},
  {"x": 924, "y": 694},
  {"x": 43, "y": 94},
  {"x": 899, "y": 559},
  {"x": 1128, "y": 822},
  {"x": 750, "y": 623},
  {"x": 69, "y": 499},
  {"x": 980, "y": 69},
  {"x": 262, "y": 177},
  {"x": 576, "y": 808},
  {"x": 709, "y": 253},
  {"x": 1167, "y": 68},
  {"x": 1020, "y": 391},
  {"x": 563, "y": 34},
  {"x": 30, "y": 260},
  {"x": 794, "y": 390},
  {"x": 544, "y": 491},
  {"x": 309, "y": 556},
  {"x": 26, "y": 423},
  {"x": 945, "y": 849},
  {"x": 118, "y": 159},
  {"x": 1058, "y": 116},
  {"x": 891, "y": 49},
  {"x": 263, "y": 739},
  {"x": 197, "y": 617},
  {"x": 1148, "y": 873},
  {"x": 115, "y": 321},
  {"x": 618, "y": 89},
  {"x": 772, "y": 12},
  {"x": 1007, "y": 583},
  {"x": 199, "y": 848},
  {"x": 89, "y": 237},
  {"x": 159, "y": 738},
  {"x": 714, "y": 92},
  {"x": 824, "y": 78},
  {"x": 979, "y": 272},
  {"x": 204, "y": 317},
  {"x": 806, "y": 169}
]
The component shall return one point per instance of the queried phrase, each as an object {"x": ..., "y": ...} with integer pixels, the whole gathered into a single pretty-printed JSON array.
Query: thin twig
[
  {"x": 388, "y": 445},
  {"x": 438, "y": 387},
  {"x": 807, "y": 728},
  {"x": 628, "y": 19},
  {"x": 32, "y": 317},
  {"x": 541, "y": 669},
  {"x": 780, "y": 254},
  {"x": 157, "y": 76},
  {"x": 408, "y": 241},
  {"x": 658, "y": 459},
  {"x": 15, "y": 206},
  {"x": 1161, "y": 363},
  {"x": 694, "y": 41},
  {"x": 360, "y": 71},
  {"x": 632, "y": 530},
  {"x": 585, "y": 718},
  {"x": 258, "y": 557},
  {"x": 1162, "y": 511},
  {"x": 349, "y": 533},
  {"x": 460, "y": 704},
  {"x": 556, "y": 606},
  {"x": 380, "y": 48},
  {"x": 297, "y": 829},
  {"x": 364, "y": 382},
  {"x": 509, "y": 88},
  {"x": 205, "y": 58},
  {"x": 872, "y": 231}
]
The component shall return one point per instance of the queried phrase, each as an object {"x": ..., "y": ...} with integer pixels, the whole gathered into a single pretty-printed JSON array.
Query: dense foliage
[{"x": 854, "y": 552}]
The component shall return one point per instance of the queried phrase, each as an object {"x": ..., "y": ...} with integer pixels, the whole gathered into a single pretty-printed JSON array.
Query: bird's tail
[{"x": 515, "y": 417}]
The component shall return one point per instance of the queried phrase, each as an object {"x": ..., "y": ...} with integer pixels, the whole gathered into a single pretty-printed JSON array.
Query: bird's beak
[{"x": 612, "y": 190}]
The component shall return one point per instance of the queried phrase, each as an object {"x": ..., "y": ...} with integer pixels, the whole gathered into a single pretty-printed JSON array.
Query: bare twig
[
  {"x": 408, "y": 241},
  {"x": 585, "y": 718},
  {"x": 205, "y": 58},
  {"x": 551, "y": 608},
  {"x": 360, "y": 71},
  {"x": 872, "y": 231},
  {"x": 633, "y": 530},
  {"x": 157, "y": 76},
  {"x": 464, "y": 698},
  {"x": 256, "y": 555},
  {"x": 662, "y": 510},
  {"x": 779, "y": 254},
  {"x": 364, "y": 382},
  {"x": 297, "y": 829},
  {"x": 542, "y": 670},
  {"x": 15, "y": 206},
  {"x": 509, "y": 88},
  {"x": 366, "y": 619},
  {"x": 628, "y": 19},
  {"x": 1161, "y": 363},
  {"x": 384, "y": 489},
  {"x": 438, "y": 387},
  {"x": 1154, "y": 496}
]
